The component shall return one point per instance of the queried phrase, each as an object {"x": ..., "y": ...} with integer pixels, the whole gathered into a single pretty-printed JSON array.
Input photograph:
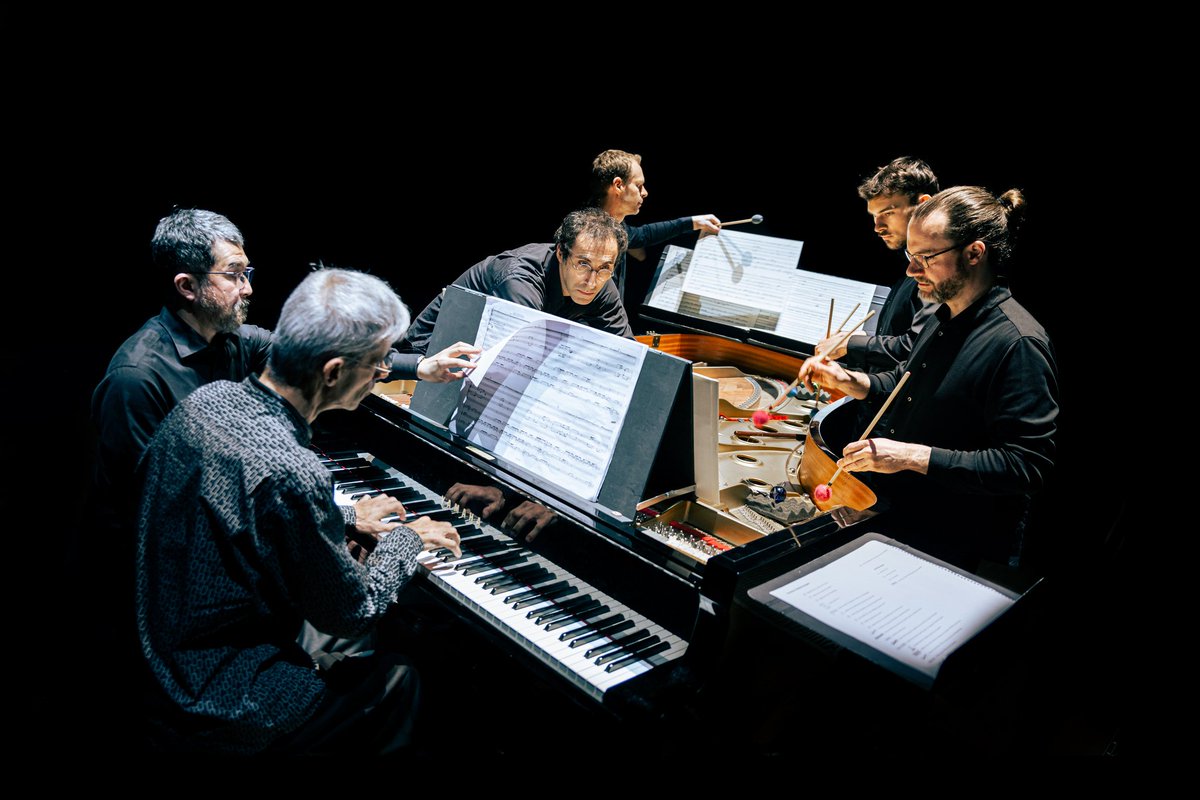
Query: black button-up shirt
[
  {"x": 164, "y": 362},
  {"x": 901, "y": 320},
  {"x": 648, "y": 235},
  {"x": 239, "y": 540},
  {"x": 527, "y": 276},
  {"x": 984, "y": 395}
]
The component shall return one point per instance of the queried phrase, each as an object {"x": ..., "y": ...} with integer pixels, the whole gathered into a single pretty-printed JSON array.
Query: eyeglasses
[
  {"x": 580, "y": 268},
  {"x": 381, "y": 370},
  {"x": 237, "y": 277},
  {"x": 923, "y": 261}
]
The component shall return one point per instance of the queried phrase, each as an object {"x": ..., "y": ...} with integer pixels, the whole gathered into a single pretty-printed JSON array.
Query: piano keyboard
[{"x": 594, "y": 641}]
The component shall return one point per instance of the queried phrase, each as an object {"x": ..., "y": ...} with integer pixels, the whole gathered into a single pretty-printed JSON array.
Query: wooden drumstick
[
  {"x": 829, "y": 486},
  {"x": 756, "y": 219},
  {"x": 847, "y": 319},
  {"x": 840, "y": 342},
  {"x": 829, "y": 324}
]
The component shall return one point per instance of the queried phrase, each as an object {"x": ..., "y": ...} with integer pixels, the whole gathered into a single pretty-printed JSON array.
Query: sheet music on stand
[
  {"x": 751, "y": 281},
  {"x": 888, "y": 602},
  {"x": 548, "y": 395}
]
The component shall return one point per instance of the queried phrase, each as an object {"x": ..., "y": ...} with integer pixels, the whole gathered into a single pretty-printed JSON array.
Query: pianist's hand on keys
[{"x": 436, "y": 535}]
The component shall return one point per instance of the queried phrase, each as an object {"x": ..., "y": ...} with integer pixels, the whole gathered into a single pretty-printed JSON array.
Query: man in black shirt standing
[
  {"x": 892, "y": 194},
  {"x": 619, "y": 187},
  {"x": 971, "y": 435}
]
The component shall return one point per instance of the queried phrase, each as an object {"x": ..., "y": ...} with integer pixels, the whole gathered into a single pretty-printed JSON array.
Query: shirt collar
[
  {"x": 185, "y": 338},
  {"x": 985, "y": 303},
  {"x": 284, "y": 409},
  {"x": 553, "y": 281}
]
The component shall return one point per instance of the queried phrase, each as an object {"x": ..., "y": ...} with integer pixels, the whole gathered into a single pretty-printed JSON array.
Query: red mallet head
[
  {"x": 822, "y": 492},
  {"x": 760, "y": 418}
]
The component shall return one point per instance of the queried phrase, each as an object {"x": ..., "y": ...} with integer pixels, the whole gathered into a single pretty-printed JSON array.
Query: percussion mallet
[
  {"x": 756, "y": 219},
  {"x": 847, "y": 319},
  {"x": 840, "y": 342},
  {"x": 824, "y": 491}
]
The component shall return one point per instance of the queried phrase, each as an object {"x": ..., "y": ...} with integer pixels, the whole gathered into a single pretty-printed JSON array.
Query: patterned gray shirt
[{"x": 239, "y": 541}]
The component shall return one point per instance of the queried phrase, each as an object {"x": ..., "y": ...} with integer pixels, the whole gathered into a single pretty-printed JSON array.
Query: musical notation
[
  {"x": 743, "y": 268},
  {"x": 550, "y": 396}
]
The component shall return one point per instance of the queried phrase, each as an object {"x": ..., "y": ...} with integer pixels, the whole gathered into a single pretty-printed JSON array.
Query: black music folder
[
  {"x": 889, "y": 603},
  {"x": 650, "y": 453}
]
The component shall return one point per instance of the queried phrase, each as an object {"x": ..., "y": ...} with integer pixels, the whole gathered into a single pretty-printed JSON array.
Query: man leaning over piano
[{"x": 570, "y": 278}]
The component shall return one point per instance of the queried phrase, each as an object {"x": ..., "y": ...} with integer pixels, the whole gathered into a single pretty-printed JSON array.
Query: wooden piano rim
[{"x": 716, "y": 351}]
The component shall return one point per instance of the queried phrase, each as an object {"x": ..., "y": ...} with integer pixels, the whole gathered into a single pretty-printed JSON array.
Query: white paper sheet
[
  {"x": 743, "y": 268},
  {"x": 548, "y": 395},
  {"x": 906, "y": 607}
]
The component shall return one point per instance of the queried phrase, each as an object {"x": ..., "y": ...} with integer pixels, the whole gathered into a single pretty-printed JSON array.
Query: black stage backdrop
[{"x": 419, "y": 204}]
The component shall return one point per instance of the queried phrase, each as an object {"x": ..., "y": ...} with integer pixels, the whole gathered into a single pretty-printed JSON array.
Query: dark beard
[
  {"x": 949, "y": 288},
  {"x": 212, "y": 314}
]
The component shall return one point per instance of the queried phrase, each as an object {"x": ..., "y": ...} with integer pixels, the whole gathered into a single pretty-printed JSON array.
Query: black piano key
[
  {"x": 339, "y": 455},
  {"x": 640, "y": 655},
  {"x": 546, "y": 594},
  {"x": 346, "y": 485},
  {"x": 633, "y": 636},
  {"x": 568, "y": 616},
  {"x": 355, "y": 473},
  {"x": 483, "y": 547},
  {"x": 622, "y": 652},
  {"x": 508, "y": 586},
  {"x": 598, "y": 633},
  {"x": 514, "y": 574},
  {"x": 353, "y": 462},
  {"x": 597, "y": 625},
  {"x": 498, "y": 562},
  {"x": 582, "y": 615},
  {"x": 566, "y": 607},
  {"x": 512, "y": 598}
]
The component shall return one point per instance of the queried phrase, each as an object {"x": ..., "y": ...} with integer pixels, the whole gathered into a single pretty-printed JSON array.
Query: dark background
[{"x": 419, "y": 201}]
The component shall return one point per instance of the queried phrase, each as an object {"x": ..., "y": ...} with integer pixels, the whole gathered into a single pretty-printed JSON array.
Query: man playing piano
[
  {"x": 197, "y": 337},
  {"x": 221, "y": 595},
  {"x": 892, "y": 194},
  {"x": 971, "y": 436},
  {"x": 618, "y": 186}
]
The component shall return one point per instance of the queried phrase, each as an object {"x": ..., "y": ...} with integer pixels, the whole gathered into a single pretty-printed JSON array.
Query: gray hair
[
  {"x": 184, "y": 239},
  {"x": 334, "y": 312}
]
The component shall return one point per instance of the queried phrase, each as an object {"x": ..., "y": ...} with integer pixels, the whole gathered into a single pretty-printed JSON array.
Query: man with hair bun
[{"x": 971, "y": 436}]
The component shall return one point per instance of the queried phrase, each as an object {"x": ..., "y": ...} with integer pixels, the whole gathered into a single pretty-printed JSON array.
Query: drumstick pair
[
  {"x": 838, "y": 344},
  {"x": 828, "y": 487}
]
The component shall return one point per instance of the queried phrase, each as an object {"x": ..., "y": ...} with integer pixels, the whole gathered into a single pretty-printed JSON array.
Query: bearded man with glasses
[{"x": 971, "y": 436}]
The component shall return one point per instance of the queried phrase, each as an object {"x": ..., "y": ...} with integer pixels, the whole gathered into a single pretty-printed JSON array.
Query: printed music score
[
  {"x": 904, "y": 606},
  {"x": 751, "y": 281},
  {"x": 743, "y": 268},
  {"x": 806, "y": 310},
  {"x": 548, "y": 395}
]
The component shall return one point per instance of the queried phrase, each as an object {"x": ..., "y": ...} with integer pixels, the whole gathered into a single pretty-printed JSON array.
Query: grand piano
[{"x": 643, "y": 616}]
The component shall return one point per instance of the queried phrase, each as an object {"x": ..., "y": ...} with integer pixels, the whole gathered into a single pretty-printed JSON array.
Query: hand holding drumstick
[
  {"x": 821, "y": 356},
  {"x": 824, "y": 491}
]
